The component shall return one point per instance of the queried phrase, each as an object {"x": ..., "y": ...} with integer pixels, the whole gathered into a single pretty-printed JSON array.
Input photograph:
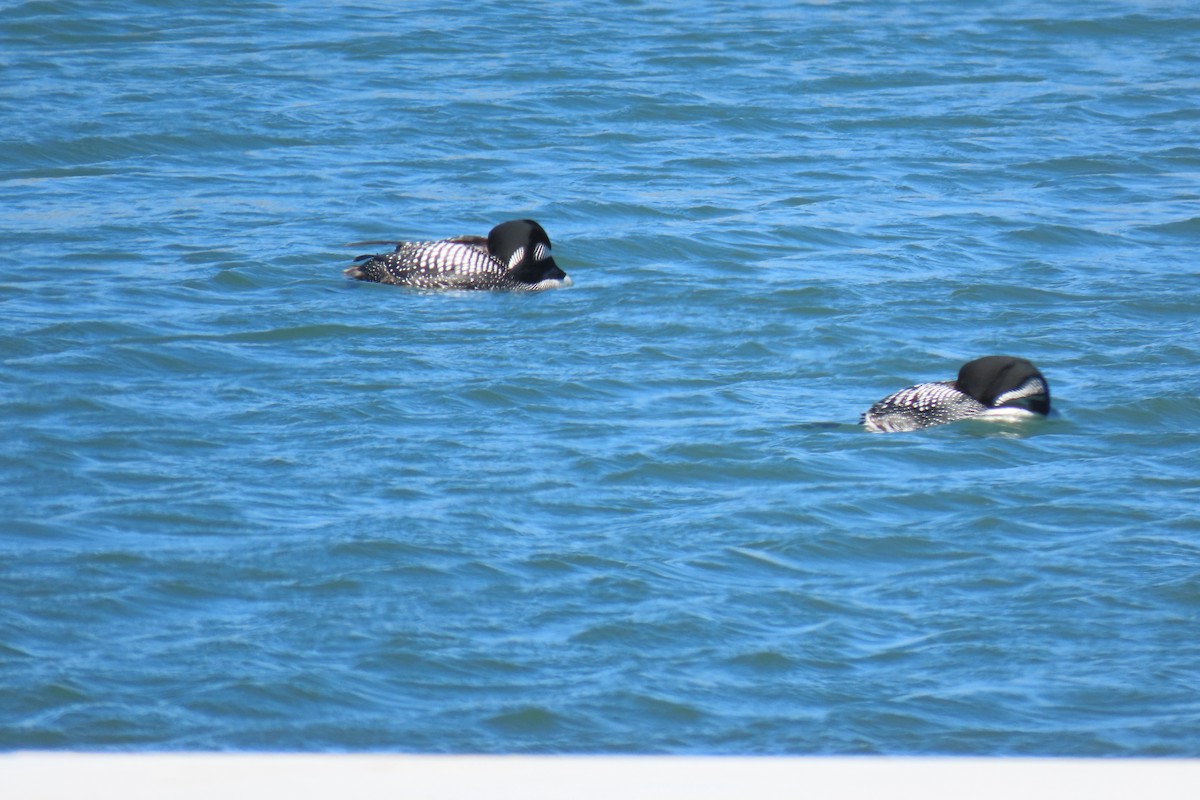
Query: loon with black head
[
  {"x": 515, "y": 255},
  {"x": 992, "y": 387}
]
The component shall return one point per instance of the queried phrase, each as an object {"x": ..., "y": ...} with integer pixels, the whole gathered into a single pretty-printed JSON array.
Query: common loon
[
  {"x": 514, "y": 255},
  {"x": 992, "y": 386}
]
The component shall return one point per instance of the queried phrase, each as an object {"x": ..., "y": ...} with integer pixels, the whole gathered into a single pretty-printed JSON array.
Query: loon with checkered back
[
  {"x": 515, "y": 255},
  {"x": 992, "y": 387}
]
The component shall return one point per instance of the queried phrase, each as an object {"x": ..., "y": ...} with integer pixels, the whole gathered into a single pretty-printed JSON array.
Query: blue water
[{"x": 249, "y": 504}]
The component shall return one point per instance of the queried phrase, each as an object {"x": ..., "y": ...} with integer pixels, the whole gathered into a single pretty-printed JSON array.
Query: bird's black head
[
  {"x": 525, "y": 248},
  {"x": 1005, "y": 381}
]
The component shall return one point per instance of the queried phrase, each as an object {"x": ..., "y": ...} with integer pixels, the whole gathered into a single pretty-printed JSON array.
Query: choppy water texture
[{"x": 250, "y": 504}]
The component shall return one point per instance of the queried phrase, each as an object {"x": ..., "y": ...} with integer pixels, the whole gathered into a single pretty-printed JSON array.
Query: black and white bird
[
  {"x": 514, "y": 255},
  {"x": 992, "y": 387}
]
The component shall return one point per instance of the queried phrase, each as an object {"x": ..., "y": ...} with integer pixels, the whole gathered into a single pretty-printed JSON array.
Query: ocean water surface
[{"x": 246, "y": 503}]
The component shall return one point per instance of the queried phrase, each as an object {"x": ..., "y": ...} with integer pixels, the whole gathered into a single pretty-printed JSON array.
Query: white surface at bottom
[{"x": 36, "y": 775}]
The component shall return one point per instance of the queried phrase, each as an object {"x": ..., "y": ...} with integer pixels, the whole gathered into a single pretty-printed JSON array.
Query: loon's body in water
[
  {"x": 988, "y": 387},
  {"x": 514, "y": 255}
]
